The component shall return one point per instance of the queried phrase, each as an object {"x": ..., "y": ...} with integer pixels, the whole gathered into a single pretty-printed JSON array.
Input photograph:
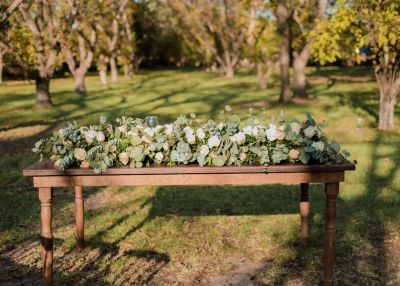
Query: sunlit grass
[{"x": 188, "y": 235}]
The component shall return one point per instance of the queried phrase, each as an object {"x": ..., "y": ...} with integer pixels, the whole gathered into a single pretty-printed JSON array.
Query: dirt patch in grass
[{"x": 243, "y": 273}]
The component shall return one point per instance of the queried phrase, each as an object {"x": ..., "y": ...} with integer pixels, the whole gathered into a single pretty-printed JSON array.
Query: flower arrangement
[{"x": 138, "y": 142}]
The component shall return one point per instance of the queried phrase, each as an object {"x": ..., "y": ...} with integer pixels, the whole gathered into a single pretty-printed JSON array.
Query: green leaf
[{"x": 304, "y": 157}]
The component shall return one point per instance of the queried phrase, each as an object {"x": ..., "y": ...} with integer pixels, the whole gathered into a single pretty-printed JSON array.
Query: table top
[{"x": 46, "y": 168}]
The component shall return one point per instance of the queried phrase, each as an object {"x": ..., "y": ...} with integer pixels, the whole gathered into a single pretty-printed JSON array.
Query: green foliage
[{"x": 187, "y": 141}]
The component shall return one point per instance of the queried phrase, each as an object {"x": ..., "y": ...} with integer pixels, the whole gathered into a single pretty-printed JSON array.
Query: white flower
[
  {"x": 89, "y": 136},
  {"x": 100, "y": 136},
  {"x": 191, "y": 139},
  {"x": 132, "y": 133},
  {"x": 157, "y": 128},
  {"x": 220, "y": 126},
  {"x": 159, "y": 156},
  {"x": 80, "y": 154},
  {"x": 204, "y": 150},
  {"x": 255, "y": 131},
  {"x": 319, "y": 146},
  {"x": 248, "y": 130},
  {"x": 271, "y": 132},
  {"x": 213, "y": 142},
  {"x": 188, "y": 129},
  {"x": 165, "y": 146},
  {"x": 189, "y": 134},
  {"x": 149, "y": 131},
  {"x": 295, "y": 127},
  {"x": 124, "y": 158},
  {"x": 309, "y": 131},
  {"x": 122, "y": 129},
  {"x": 200, "y": 133},
  {"x": 152, "y": 147},
  {"x": 146, "y": 139},
  {"x": 169, "y": 128},
  {"x": 242, "y": 156},
  {"x": 239, "y": 137}
]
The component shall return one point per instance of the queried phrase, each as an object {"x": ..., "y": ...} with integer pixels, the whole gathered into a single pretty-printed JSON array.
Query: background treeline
[{"x": 41, "y": 38}]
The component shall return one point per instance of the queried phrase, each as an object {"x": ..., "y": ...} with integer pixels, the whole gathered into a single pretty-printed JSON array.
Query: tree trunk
[
  {"x": 229, "y": 71},
  {"x": 103, "y": 76},
  {"x": 126, "y": 71},
  {"x": 1, "y": 66},
  {"x": 386, "y": 109},
  {"x": 43, "y": 99},
  {"x": 261, "y": 76},
  {"x": 284, "y": 53},
  {"x": 80, "y": 87},
  {"x": 129, "y": 70},
  {"x": 114, "y": 70},
  {"x": 299, "y": 68}
]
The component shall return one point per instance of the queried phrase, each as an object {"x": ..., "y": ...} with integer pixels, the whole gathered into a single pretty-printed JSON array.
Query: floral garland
[{"x": 138, "y": 142}]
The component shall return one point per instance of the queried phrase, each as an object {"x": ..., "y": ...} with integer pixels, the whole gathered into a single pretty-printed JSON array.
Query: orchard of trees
[{"x": 41, "y": 38}]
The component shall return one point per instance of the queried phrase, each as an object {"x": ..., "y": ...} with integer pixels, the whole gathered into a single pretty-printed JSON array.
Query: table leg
[
  {"x": 304, "y": 214},
  {"x": 331, "y": 191},
  {"x": 79, "y": 218},
  {"x": 45, "y": 197}
]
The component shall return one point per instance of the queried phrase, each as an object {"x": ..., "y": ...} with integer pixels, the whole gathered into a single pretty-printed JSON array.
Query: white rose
[
  {"x": 271, "y": 132},
  {"x": 100, "y": 136},
  {"x": 165, "y": 146},
  {"x": 255, "y": 131},
  {"x": 149, "y": 131},
  {"x": 200, "y": 133},
  {"x": 124, "y": 158},
  {"x": 187, "y": 129},
  {"x": 295, "y": 127},
  {"x": 204, "y": 150},
  {"x": 318, "y": 145},
  {"x": 213, "y": 142},
  {"x": 220, "y": 126},
  {"x": 159, "y": 156},
  {"x": 248, "y": 130},
  {"x": 309, "y": 131},
  {"x": 191, "y": 139},
  {"x": 242, "y": 156},
  {"x": 239, "y": 137},
  {"x": 152, "y": 147},
  {"x": 122, "y": 129},
  {"x": 89, "y": 136},
  {"x": 80, "y": 154},
  {"x": 169, "y": 128}
]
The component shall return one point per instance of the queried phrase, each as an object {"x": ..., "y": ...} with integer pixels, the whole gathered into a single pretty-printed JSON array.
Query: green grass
[{"x": 196, "y": 235}]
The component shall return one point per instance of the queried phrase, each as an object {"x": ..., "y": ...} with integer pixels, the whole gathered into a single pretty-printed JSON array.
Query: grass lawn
[{"x": 203, "y": 235}]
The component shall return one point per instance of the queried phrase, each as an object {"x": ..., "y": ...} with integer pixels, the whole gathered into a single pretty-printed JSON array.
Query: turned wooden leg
[
  {"x": 79, "y": 218},
  {"x": 331, "y": 191},
  {"x": 45, "y": 197},
  {"x": 304, "y": 214}
]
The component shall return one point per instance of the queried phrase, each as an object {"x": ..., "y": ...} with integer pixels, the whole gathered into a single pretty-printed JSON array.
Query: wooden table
[{"x": 46, "y": 177}]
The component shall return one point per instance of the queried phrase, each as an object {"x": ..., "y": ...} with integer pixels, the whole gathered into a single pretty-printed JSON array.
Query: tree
[
  {"x": 42, "y": 23},
  {"x": 373, "y": 26},
  {"x": 305, "y": 15},
  {"x": 5, "y": 27},
  {"x": 262, "y": 47},
  {"x": 128, "y": 42},
  {"x": 283, "y": 16},
  {"x": 79, "y": 39},
  {"x": 109, "y": 24},
  {"x": 215, "y": 30},
  {"x": 6, "y": 12}
]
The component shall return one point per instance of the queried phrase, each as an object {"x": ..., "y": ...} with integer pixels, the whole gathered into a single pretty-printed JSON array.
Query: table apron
[{"x": 188, "y": 179}]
